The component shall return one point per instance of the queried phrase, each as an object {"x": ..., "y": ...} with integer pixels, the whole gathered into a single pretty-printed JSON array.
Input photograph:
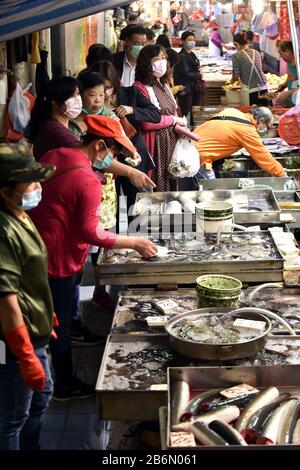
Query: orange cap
[{"x": 108, "y": 127}]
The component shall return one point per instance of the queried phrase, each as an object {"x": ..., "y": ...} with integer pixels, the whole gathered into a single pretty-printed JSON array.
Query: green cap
[{"x": 18, "y": 165}]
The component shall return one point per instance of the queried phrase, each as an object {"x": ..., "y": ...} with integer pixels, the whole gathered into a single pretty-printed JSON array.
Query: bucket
[
  {"x": 215, "y": 290},
  {"x": 212, "y": 217}
]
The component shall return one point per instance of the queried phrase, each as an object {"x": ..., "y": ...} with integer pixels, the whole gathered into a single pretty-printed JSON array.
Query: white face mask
[
  {"x": 73, "y": 107},
  {"x": 159, "y": 68}
]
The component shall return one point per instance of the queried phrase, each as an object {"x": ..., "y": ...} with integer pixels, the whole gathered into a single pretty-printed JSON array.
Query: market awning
[{"x": 26, "y": 16}]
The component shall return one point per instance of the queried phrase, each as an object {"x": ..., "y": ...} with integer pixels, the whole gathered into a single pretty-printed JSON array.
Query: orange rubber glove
[{"x": 30, "y": 366}]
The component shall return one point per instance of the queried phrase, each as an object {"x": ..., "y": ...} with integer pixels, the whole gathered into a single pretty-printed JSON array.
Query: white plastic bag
[
  {"x": 18, "y": 109},
  {"x": 185, "y": 161}
]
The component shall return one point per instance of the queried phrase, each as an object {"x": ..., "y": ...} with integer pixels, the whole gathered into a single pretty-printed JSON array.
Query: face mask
[
  {"x": 106, "y": 162},
  {"x": 191, "y": 44},
  {"x": 159, "y": 68},
  {"x": 73, "y": 107},
  {"x": 87, "y": 111},
  {"x": 135, "y": 50},
  {"x": 263, "y": 132},
  {"x": 30, "y": 200},
  {"x": 158, "y": 31}
]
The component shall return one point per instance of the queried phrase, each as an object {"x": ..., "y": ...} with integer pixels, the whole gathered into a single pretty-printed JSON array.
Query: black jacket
[
  {"x": 144, "y": 110},
  {"x": 118, "y": 60},
  {"x": 186, "y": 72}
]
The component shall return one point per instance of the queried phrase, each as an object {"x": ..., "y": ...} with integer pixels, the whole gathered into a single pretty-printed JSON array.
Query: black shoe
[
  {"x": 84, "y": 337},
  {"x": 77, "y": 390}
]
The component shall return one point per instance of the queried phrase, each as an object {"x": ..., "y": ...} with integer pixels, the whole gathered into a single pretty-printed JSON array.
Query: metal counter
[
  {"x": 132, "y": 380},
  {"x": 252, "y": 206},
  {"x": 237, "y": 255}
]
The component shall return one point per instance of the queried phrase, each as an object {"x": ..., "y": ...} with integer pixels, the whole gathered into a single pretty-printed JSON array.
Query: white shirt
[{"x": 128, "y": 75}]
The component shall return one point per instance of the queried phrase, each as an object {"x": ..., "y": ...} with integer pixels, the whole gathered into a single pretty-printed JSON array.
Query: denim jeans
[
  {"x": 21, "y": 409},
  {"x": 64, "y": 293}
]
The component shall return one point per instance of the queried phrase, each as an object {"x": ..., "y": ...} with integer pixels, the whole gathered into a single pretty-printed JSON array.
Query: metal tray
[
  {"x": 290, "y": 196},
  {"x": 129, "y": 317},
  {"x": 285, "y": 377},
  {"x": 183, "y": 267},
  {"x": 277, "y": 183},
  {"x": 123, "y": 395},
  {"x": 250, "y": 206}
]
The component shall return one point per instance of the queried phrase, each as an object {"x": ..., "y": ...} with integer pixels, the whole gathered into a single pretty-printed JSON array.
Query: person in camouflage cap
[
  {"x": 18, "y": 165},
  {"x": 26, "y": 309}
]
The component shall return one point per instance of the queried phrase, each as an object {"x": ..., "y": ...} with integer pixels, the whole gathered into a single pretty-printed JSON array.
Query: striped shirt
[{"x": 242, "y": 67}]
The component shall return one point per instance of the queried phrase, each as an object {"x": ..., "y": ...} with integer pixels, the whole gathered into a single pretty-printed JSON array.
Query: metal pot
[{"x": 212, "y": 351}]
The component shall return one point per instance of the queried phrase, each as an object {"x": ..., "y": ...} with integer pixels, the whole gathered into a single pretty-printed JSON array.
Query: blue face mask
[
  {"x": 30, "y": 200},
  {"x": 105, "y": 163},
  {"x": 191, "y": 44},
  {"x": 135, "y": 50}
]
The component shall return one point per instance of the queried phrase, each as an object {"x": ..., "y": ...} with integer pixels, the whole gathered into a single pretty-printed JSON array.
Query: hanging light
[
  {"x": 187, "y": 4},
  {"x": 134, "y": 6},
  {"x": 257, "y": 7}
]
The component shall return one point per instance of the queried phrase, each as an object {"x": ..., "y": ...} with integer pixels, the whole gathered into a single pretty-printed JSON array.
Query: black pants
[
  {"x": 187, "y": 101},
  {"x": 254, "y": 98}
]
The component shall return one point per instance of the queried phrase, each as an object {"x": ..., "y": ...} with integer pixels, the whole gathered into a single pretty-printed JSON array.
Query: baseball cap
[
  {"x": 18, "y": 165},
  {"x": 104, "y": 126}
]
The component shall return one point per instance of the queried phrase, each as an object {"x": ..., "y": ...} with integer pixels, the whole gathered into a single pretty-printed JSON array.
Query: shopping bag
[
  {"x": 185, "y": 161},
  {"x": 19, "y": 109}
]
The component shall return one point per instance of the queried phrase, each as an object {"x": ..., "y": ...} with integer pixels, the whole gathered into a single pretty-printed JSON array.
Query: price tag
[
  {"x": 161, "y": 387},
  {"x": 157, "y": 321},
  {"x": 167, "y": 306}
]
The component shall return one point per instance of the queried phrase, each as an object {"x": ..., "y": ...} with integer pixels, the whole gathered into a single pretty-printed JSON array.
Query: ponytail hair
[{"x": 58, "y": 90}]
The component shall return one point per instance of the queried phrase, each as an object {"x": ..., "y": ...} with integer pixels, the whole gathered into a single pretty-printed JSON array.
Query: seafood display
[
  {"x": 135, "y": 306},
  {"x": 213, "y": 329},
  {"x": 190, "y": 248},
  {"x": 137, "y": 363},
  {"x": 259, "y": 201},
  {"x": 264, "y": 417}
]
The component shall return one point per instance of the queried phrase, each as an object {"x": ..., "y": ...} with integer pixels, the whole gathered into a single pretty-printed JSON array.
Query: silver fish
[
  {"x": 273, "y": 425},
  {"x": 231, "y": 435},
  {"x": 206, "y": 436},
  {"x": 227, "y": 414},
  {"x": 262, "y": 399},
  {"x": 179, "y": 400}
]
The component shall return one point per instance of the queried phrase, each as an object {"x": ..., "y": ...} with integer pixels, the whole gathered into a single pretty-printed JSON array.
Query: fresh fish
[
  {"x": 194, "y": 405},
  {"x": 231, "y": 435},
  {"x": 288, "y": 422},
  {"x": 274, "y": 425},
  {"x": 258, "y": 418},
  {"x": 206, "y": 436},
  {"x": 238, "y": 401},
  {"x": 262, "y": 399},
  {"x": 227, "y": 414},
  {"x": 179, "y": 400},
  {"x": 296, "y": 433}
]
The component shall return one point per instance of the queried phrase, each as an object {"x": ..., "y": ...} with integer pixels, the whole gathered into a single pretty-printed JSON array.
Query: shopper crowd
[{"x": 108, "y": 133}]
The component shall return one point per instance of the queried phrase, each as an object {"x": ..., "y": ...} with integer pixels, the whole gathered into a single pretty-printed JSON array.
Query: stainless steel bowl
[{"x": 212, "y": 351}]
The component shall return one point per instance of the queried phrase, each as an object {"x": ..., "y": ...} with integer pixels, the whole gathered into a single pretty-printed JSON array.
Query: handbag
[
  {"x": 245, "y": 89},
  {"x": 128, "y": 128}
]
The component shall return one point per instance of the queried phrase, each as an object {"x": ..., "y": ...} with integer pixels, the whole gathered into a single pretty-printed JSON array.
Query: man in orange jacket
[{"x": 231, "y": 130}]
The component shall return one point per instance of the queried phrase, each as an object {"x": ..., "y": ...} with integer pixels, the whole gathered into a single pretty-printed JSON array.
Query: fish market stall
[
  {"x": 181, "y": 258},
  {"x": 252, "y": 206},
  {"x": 262, "y": 404},
  {"x": 277, "y": 183},
  {"x": 133, "y": 376}
]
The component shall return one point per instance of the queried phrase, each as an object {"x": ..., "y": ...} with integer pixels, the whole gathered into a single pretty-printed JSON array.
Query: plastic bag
[
  {"x": 185, "y": 161},
  {"x": 19, "y": 109}
]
